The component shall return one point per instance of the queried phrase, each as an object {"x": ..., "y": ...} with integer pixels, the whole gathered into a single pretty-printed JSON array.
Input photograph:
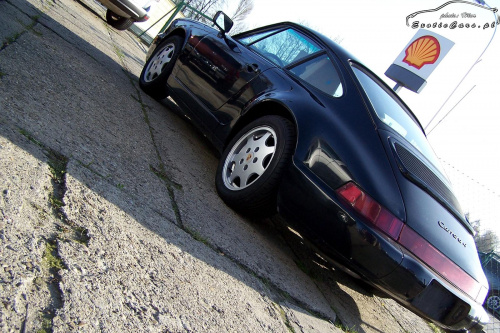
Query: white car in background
[{"x": 121, "y": 14}]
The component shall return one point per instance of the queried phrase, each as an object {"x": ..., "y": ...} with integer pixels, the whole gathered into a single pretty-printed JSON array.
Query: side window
[
  {"x": 253, "y": 38},
  {"x": 285, "y": 47},
  {"x": 321, "y": 73}
]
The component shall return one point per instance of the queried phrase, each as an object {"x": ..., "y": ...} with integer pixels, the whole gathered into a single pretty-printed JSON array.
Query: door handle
[{"x": 252, "y": 68}]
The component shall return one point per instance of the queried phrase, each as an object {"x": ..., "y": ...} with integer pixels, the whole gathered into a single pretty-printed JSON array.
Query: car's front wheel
[
  {"x": 154, "y": 75},
  {"x": 253, "y": 164},
  {"x": 118, "y": 22}
]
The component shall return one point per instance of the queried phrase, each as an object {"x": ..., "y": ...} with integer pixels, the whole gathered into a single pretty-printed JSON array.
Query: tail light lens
[
  {"x": 383, "y": 220},
  {"x": 441, "y": 264},
  {"x": 371, "y": 210}
]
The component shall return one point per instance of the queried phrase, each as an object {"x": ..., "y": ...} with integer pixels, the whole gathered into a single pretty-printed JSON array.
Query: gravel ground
[{"x": 109, "y": 219}]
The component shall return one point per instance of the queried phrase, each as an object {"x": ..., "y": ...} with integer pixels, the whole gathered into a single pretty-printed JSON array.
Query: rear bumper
[
  {"x": 421, "y": 290},
  {"x": 340, "y": 235},
  {"x": 126, "y": 8}
]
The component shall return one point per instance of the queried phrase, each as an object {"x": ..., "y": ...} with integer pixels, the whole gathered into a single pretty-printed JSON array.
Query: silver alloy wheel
[
  {"x": 159, "y": 61},
  {"x": 493, "y": 302},
  {"x": 249, "y": 158}
]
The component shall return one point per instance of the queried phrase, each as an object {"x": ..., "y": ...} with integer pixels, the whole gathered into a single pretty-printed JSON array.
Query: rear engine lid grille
[{"x": 420, "y": 174}]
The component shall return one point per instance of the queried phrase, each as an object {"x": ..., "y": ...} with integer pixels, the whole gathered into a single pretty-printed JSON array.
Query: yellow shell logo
[{"x": 425, "y": 50}]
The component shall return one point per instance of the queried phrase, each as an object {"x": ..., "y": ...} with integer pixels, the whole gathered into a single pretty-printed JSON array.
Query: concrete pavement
[{"x": 109, "y": 216}]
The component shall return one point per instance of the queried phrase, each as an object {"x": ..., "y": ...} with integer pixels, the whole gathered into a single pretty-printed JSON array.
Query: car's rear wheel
[
  {"x": 155, "y": 73},
  {"x": 493, "y": 303},
  {"x": 118, "y": 22},
  {"x": 253, "y": 164}
]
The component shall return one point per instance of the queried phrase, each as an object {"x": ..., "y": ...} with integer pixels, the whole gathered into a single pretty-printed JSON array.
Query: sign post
[{"x": 418, "y": 60}]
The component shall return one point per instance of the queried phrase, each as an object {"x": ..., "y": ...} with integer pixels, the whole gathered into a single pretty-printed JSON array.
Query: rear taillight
[
  {"x": 382, "y": 219},
  {"x": 441, "y": 264},
  {"x": 371, "y": 210}
]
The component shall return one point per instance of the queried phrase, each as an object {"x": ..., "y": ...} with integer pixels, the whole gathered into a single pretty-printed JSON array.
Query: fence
[
  {"x": 161, "y": 15},
  {"x": 480, "y": 203}
]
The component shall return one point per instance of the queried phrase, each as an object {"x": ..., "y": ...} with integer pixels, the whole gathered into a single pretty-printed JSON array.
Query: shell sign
[
  {"x": 418, "y": 59},
  {"x": 422, "y": 51}
]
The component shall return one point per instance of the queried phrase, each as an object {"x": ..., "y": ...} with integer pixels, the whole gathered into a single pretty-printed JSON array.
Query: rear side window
[
  {"x": 321, "y": 73},
  {"x": 390, "y": 111},
  {"x": 284, "y": 47}
]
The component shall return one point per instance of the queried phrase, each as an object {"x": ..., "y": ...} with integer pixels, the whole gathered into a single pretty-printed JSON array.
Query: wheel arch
[
  {"x": 179, "y": 31},
  {"x": 264, "y": 108},
  {"x": 176, "y": 31}
]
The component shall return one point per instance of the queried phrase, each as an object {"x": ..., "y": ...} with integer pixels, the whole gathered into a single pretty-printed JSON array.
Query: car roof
[{"x": 342, "y": 53}]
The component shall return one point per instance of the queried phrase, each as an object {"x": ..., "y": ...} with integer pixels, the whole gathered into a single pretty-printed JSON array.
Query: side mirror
[{"x": 223, "y": 22}]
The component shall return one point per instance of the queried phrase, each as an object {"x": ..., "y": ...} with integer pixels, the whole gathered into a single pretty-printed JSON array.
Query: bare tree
[
  {"x": 205, "y": 7},
  {"x": 337, "y": 39},
  {"x": 209, "y": 8},
  {"x": 242, "y": 10},
  {"x": 486, "y": 240}
]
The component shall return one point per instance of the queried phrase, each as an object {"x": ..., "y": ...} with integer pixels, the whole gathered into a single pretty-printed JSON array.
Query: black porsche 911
[{"x": 305, "y": 129}]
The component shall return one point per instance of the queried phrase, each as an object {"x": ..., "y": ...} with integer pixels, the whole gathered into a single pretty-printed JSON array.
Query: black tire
[
  {"x": 118, "y": 22},
  {"x": 259, "y": 153},
  {"x": 154, "y": 75}
]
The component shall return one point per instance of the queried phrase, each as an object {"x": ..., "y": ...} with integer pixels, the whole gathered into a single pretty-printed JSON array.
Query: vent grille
[{"x": 423, "y": 176}]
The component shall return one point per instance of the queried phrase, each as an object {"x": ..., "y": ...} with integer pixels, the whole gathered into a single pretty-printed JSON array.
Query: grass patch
[
  {"x": 57, "y": 165},
  {"x": 29, "y": 26},
  {"x": 42, "y": 213},
  {"x": 30, "y": 137},
  {"x": 196, "y": 235},
  {"x": 57, "y": 162},
  {"x": 163, "y": 176},
  {"x": 88, "y": 167},
  {"x": 51, "y": 257},
  {"x": 55, "y": 202},
  {"x": 13, "y": 38},
  {"x": 285, "y": 318},
  {"x": 46, "y": 324},
  {"x": 435, "y": 328},
  {"x": 119, "y": 53},
  {"x": 344, "y": 328},
  {"x": 81, "y": 235}
]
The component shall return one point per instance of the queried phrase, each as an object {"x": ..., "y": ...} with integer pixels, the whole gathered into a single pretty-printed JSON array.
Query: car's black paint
[{"x": 222, "y": 85}]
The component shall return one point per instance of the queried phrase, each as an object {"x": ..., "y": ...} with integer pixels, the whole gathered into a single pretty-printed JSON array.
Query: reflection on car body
[{"x": 305, "y": 129}]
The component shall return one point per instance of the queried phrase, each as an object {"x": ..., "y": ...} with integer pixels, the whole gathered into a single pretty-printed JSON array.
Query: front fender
[{"x": 184, "y": 28}]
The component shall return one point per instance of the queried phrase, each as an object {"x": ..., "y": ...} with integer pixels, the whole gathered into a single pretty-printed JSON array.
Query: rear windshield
[{"x": 392, "y": 113}]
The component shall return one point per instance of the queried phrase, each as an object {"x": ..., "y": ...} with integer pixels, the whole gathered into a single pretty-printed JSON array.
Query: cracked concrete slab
[
  {"x": 160, "y": 252},
  {"x": 26, "y": 223},
  {"x": 252, "y": 243},
  {"x": 141, "y": 273},
  {"x": 301, "y": 321},
  {"x": 91, "y": 127}
]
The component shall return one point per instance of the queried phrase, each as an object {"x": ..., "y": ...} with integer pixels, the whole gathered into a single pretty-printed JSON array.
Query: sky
[{"x": 465, "y": 132}]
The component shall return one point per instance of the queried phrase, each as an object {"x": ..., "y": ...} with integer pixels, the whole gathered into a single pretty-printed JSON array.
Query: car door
[
  {"x": 215, "y": 70},
  {"x": 227, "y": 67}
]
